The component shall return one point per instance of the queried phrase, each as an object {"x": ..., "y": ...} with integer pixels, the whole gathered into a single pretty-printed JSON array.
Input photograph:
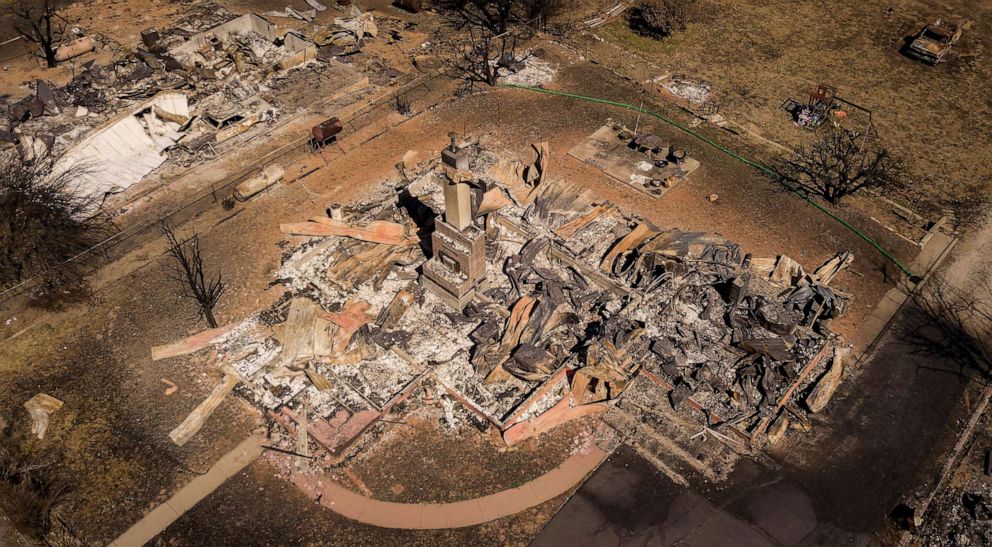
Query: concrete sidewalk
[
  {"x": 937, "y": 249},
  {"x": 187, "y": 497}
]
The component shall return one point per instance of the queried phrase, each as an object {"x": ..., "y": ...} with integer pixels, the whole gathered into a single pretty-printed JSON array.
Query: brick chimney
[{"x": 458, "y": 204}]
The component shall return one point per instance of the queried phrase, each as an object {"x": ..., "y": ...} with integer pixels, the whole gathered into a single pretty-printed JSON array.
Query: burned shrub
[
  {"x": 26, "y": 495},
  {"x": 47, "y": 221},
  {"x": 660, "y": 18}
]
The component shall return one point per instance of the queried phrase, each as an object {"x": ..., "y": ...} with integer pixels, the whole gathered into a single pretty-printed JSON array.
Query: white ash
[
  {"x": 591, "y": 242},
  {"x": 536, "y": 73},
  {"x": 494, "y": 400},
  {"x": 694, "y": 91},
  {"x": 544, "y": 403},
  {"x": 326, "y": 404},
  {"x": 448, "y": 405},
  {"x": 264, "y": 355},
  {"x": 435, "y": 337},
  {"x": 377, "y": 380},
  {"x": 340, "y": 392}
]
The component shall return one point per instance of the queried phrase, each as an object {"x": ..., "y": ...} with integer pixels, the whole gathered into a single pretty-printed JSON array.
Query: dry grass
[
  {"x": 27, "y": 493},
  {"x": 758, "y": 54}
]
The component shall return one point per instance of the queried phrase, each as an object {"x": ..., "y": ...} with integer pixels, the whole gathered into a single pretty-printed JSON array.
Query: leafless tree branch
[
  {"x": 841, "y": 163},
  {"x": 40, "y": 22},
  {"x": 190, "y": 275},
  {"x": 480, "y": 57}
]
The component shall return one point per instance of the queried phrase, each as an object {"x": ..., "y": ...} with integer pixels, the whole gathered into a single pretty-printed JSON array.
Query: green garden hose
[{"x": 756, "y": 165}]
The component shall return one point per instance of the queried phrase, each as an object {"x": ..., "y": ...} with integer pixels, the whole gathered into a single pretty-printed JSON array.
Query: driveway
[{"x": 883, "y": 436}]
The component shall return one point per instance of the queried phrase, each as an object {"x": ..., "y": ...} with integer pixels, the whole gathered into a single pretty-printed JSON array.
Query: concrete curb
[
  {"x": 161, "y": 517},
  {"x": 933, "y": 254},
  {"x": 436, "y": 516}
]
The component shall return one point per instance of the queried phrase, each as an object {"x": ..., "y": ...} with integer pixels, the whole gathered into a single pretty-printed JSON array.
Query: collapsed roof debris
[
  {"x": 129, "y": 146},
  {"x": 307, "y": 15},
  {"x": 353, "y": 28},
  {"x": 576, "y": 300},
  {"x": 248, "y": 42}
]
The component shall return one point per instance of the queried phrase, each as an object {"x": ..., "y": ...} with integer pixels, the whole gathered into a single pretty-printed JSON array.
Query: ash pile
[{"x": 609, "y": 296}]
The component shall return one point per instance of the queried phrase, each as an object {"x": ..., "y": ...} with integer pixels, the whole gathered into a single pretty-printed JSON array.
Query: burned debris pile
[
  {"x": 222, "y": 75},
  {"x": 685, "y": 307},
  {"x": 644, "y": 161},
  {"x": 541, "y": 306}
]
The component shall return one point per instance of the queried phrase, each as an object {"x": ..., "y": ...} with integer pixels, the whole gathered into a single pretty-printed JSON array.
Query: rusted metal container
[{"x": 325, "y": 130}]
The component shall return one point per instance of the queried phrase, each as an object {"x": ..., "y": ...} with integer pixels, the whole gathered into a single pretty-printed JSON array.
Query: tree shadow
[{"x": 954, "y": 328}]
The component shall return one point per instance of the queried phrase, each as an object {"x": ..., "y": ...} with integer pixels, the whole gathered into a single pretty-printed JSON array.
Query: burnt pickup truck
[{"x": 934, "y": 41}]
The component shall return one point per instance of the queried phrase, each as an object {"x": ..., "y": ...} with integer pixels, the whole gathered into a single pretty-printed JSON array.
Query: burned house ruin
[{"x": 535, "y": 307}]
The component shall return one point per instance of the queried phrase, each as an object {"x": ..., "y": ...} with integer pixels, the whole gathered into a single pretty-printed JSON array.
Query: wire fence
[{"x": 14, "y": 48}]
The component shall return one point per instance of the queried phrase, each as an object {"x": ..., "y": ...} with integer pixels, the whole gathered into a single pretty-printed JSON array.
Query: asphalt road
[{"x": 883, "y": 436}]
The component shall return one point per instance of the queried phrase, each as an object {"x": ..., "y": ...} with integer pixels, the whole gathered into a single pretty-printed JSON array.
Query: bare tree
[
  {"x": 955, "y": 327},
  {"x": 841, "y": 163},
  {"x": 492, "y": 15},
  {"x": 46, "y": 221},
  {"x": 40, "y": 22},
  {"x": 191, "y": 277},
  {"x": 660, "y": 18},
  {"x": 545, "y": 9},
  {"x": 481, "y": 56}
]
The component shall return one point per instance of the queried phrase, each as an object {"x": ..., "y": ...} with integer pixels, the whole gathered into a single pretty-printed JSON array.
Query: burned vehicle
[{"x": 934, "y": 41}]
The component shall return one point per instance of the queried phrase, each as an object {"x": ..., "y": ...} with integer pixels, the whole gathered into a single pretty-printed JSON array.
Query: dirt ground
[{"x": 110, "y": 440}]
